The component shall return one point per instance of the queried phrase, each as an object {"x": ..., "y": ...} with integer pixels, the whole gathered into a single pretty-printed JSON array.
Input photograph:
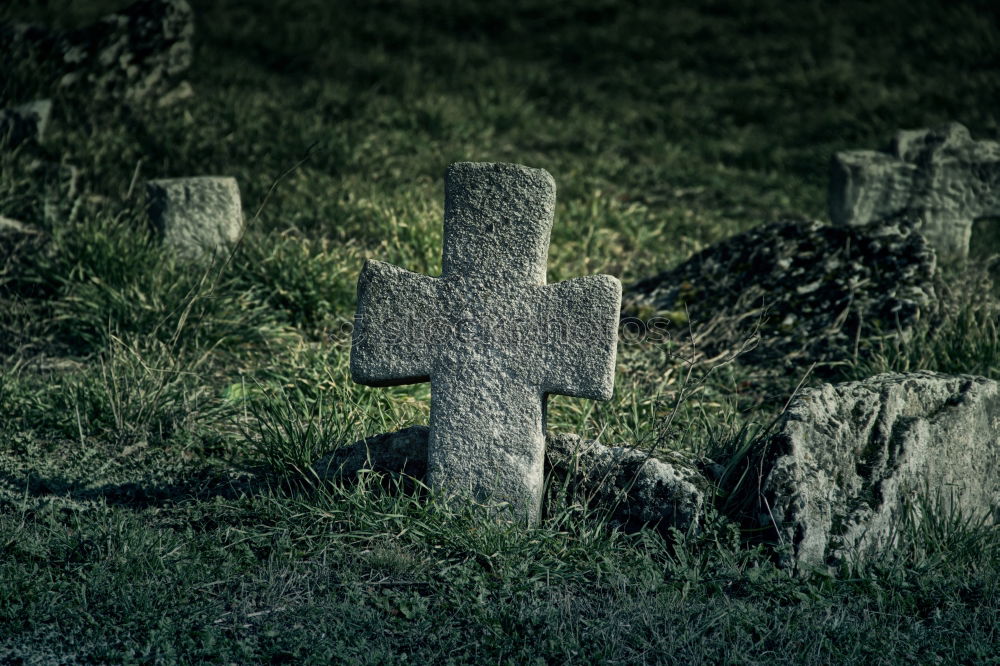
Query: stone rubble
[
  {"x": 643, "y": 490},
  {"x": 137, "y": 54},
  {"x": 808, "y": 292}
]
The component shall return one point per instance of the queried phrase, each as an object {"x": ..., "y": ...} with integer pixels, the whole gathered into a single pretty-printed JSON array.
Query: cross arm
[
  {"x": 393, "y": 336},
  {"x": 583, "y": 313}
]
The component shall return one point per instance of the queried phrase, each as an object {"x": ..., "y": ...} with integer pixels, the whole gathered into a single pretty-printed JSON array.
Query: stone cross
[
  {"x": 943, "y": 178},
  {"x": 491, "y": 337}
]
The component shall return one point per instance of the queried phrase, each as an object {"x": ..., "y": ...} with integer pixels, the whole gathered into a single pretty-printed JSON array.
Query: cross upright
[
  {"x": 491, "y": 337},
  {"x": 941, "y": 177}
]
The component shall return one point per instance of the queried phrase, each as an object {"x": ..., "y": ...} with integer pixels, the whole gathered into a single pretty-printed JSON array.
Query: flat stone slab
[
  {"x": 941, "y": 177},
  {"x": 26, "y": 122},
  {"x": 643, "y": 490},
  {"x": 491, "y": 337},
  {"x": 812, "y": 293},
  {"x": 196, "y": 217},
  {"x": 855, "y": 457}
]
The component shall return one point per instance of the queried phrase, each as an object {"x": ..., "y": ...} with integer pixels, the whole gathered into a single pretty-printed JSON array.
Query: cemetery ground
[{"x": 159, "y": 419}]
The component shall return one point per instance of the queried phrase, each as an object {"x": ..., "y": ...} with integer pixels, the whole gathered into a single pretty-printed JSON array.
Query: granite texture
[
  {"x": 854, "y": 458},
  {"x": 941, "y": 177},
  {"x": 639, "y": 489},
  {"x": 491, "y": 337},
  {"x": 196, "y": 217}
]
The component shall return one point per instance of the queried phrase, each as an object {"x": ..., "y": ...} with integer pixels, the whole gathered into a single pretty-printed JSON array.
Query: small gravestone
[
  {"x": 852, "y": 459},
  {"x": 941, "y": 177},
  {"x": 26, "y": 122},
  {"x": 196, "y": 217},
  {"x": 491, "y": 337}
]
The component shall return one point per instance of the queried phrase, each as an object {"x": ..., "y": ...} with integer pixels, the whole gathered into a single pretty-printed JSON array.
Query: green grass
[
  {"x": 156, "y": 422},
  {"x": 960, "y": 337}
]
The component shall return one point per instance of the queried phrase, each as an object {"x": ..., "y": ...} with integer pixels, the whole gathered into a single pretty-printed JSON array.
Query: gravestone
[
  {"x": 852, "y": 459},
  {"x": 491, "y": 337},
  {"x": 196, "y": 217},
  {"x": 26, "y": 122},
  {"x": 941, "y": 177}
]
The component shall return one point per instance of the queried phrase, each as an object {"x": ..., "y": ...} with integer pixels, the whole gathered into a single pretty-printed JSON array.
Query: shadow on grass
[{"x": 198, "y": 486}]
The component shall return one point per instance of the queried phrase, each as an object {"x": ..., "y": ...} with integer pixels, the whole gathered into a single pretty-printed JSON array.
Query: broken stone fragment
[
  {"x": 26, "y": 122},
  {"x": 854, "y": 458},
  {"x": 941, "y": 177},
  {"x": 642, "y": 490},
  {"x": 196, "y": 217},
  {"x": 11, "y": 227}
]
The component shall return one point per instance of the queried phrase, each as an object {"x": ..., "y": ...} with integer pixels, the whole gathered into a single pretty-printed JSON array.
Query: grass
[
  {"x": 156, "y": 422},
  {"x": 960, "y": 338}
]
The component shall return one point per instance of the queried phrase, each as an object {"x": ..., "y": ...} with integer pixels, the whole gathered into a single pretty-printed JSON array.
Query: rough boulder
[{"x": 854, "y": 458}]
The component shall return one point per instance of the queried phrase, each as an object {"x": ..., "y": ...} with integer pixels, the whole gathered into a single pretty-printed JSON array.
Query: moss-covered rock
[{"x": 805, "y": 292}]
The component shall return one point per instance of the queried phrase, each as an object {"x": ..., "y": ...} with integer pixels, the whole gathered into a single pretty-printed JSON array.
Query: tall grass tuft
[
  {"x": 288, "y": 432},
  {"x": 961, "y": 337}
]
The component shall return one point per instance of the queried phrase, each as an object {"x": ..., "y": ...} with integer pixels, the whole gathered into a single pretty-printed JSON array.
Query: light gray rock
[
  {"x": 642, "y": 489},
  {"x": 26, "y": 122},
  {"x": 854, "y": 457},
  {"x": 196, "y": 217},
  {"x": 12, "y": 227},
  {"x": 942, "y": 177},
  {"x": 491, "y": 337}
]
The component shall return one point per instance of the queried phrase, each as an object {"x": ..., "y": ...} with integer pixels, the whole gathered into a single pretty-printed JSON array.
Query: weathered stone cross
[
  {"x": 491, "y": 337},
  {"x": 941, "y": 176}
]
